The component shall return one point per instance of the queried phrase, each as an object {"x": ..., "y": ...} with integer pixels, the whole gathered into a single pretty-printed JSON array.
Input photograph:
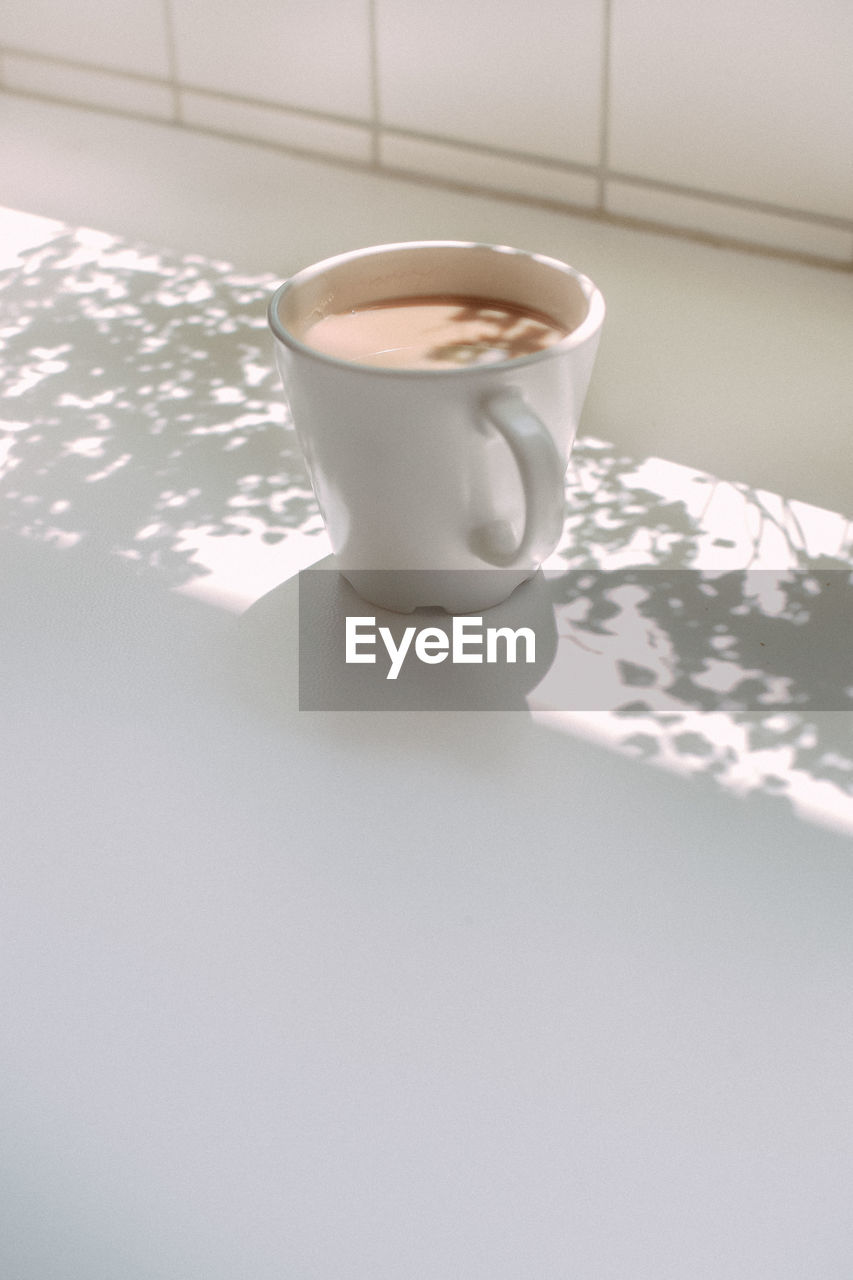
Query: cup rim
[{"x": 591, "y": 323}]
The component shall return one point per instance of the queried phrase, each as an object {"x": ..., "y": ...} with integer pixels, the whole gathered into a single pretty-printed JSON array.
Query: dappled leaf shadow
[
  {"x": 738, "y": 666},
  {"x": 717, "y": 668},
  {"x": 140, "y": 403},
  {"x": 486, "y": 333}
]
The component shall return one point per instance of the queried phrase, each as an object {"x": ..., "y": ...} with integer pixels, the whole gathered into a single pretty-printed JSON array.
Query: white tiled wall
[
  {"x": 312, "y": 54},
  {"x": 522, "y": 77},
  {"x": 121, "y": 35},
  {"x": 733, "y": 120},
  {"x": 753, "y": 98}
]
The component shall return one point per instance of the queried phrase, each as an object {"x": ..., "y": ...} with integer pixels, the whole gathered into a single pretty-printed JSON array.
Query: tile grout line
[
  {"x": 732, "y": 200},
  {"x": 604, "y": 122},
  {"x": 500, "y": 153},
  {"x": 374, "y": 127},
  {"x": 375, "y": 102},
  {"x": 676, "y": 231},
  {"x": 80, "y": 64},
  {"x": 172, "y": 60}
]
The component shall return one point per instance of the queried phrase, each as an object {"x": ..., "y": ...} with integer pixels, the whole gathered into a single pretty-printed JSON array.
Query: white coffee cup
[{"x": 438, "y": 487}]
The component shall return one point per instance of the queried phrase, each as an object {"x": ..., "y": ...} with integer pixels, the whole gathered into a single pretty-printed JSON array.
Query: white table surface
[{"x": 347, "y": 996}]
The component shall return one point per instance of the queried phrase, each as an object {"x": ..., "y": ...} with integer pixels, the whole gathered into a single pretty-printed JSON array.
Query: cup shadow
[{"x": 388, "y": 675}]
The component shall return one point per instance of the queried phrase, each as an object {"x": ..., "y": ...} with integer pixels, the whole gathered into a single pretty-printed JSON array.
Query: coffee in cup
[{"x": 434, "y": 332}]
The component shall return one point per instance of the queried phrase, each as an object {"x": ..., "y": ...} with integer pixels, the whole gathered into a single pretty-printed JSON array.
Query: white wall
[{"x": 733, "y": 120}]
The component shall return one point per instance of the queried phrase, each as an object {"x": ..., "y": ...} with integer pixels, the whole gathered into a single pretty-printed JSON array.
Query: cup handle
[{"x": 542, "y": 475}]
